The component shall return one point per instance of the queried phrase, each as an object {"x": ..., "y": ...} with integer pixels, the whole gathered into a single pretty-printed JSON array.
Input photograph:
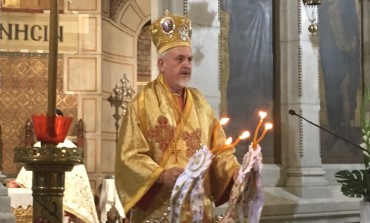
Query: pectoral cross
[{"x": 175, "y": 150}]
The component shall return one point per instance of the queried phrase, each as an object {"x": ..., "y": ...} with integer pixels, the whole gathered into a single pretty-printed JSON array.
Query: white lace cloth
[
  {"x": 78, "y": 198},
  {"x": 20, "y": 197},
  {"x": 247, "y": 192},
  {"x": 108, "y": 199},
  {"x": 190, "y": 184}
]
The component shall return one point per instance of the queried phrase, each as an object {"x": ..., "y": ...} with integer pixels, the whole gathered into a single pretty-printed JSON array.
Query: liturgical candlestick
[
  {"x": 53, "y": 58},
  {"x": 49, "y": 162}
]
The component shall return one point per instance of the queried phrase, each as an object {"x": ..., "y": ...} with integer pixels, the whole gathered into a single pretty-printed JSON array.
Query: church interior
[{"x": 305, "y": 62}]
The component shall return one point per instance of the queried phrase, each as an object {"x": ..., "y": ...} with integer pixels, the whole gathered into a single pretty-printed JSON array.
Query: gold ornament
[
  {"x": 312, "y": 28},
  {"x": 170, "y": 31}
]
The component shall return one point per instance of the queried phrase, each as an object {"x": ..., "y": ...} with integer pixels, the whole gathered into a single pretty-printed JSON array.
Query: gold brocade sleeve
[
  {"x": 135, "y": 171},
  {"x": 222, "y": 168},
  {"x": 223, "y": 164}
]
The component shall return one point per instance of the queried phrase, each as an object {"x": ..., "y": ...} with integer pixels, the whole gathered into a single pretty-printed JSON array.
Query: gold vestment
[{"x": 156, "y": 135}]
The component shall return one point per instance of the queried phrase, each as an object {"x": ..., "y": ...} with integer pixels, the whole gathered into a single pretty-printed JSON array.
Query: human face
[{"x": 175, "y": 66}]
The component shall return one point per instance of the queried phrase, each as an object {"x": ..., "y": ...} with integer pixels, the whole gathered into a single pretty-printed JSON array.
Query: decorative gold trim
[
  {"x": 48, "y": 154},
  {"x": 224, "y": 64}
]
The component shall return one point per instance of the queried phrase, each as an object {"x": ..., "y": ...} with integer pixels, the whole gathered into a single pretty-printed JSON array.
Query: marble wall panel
[
  {"x": 105, "y": 7},
  {"x": 145, "y": 7},
  {"x": 91, "y": 155},
  {"x": 90, "y": 35},
  {"x": 84, "y": 5},
  {"x": 309, "y": 81},
  {"x": 115, "y": 70},
  {"x": 108, "y": 121},
  {"x": 108, "y": 155},
  {"x": 290, "y": 73},
  {"x": 131, "y": 19},
  {"x": 90, "y": 113},
  {"x": 116, "y": 41},
  {"x": 83, "y": 74},
  {"x": 289, "y": 23},
  {"x": 30, "y": 4},
  {"x": 106, "y": 79}
]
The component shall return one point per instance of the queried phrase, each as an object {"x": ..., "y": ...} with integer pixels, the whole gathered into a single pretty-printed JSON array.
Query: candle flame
[
  {"x": 262, "y": 114},
  {"x": 244, "y": 135},
  {"x": 223, "y": 121},
  {"x": 229, "y": 140},
  {"x": 268, "y": 126}
]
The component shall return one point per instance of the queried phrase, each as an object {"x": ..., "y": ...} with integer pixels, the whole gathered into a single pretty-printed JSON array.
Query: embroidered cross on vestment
[{"x": 175, "y": 151}]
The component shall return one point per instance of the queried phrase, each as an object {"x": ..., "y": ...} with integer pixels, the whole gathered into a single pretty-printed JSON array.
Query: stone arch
[
  {"x": 115, "y": 7},
  {"x": 131, "y": 16},
  {"x": 144, "y": 55}
]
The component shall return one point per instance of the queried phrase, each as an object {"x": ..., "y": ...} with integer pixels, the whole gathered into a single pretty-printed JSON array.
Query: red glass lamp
[{"x": 49, "y": 132}]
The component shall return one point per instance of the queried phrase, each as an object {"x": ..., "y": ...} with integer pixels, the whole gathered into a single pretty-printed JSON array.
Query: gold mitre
[{"x": 170, "y": 31}]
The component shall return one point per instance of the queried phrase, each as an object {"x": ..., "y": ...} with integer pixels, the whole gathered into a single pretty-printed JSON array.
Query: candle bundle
[
  {"x": 228, "y": 144},
  {"x": 223, "y": 121},
  {"x": 267, "y": 127}
]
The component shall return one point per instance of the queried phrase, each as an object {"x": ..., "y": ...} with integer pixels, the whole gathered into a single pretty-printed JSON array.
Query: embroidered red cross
[
  {"x": 162, "y": 133},
  {"x": 192, "y": 141}
]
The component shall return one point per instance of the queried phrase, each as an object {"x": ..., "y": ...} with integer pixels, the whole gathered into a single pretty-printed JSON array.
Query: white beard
[{"x": 183, "y": 82}]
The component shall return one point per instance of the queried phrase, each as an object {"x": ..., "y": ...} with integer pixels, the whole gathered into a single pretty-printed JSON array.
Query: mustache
[{"x": 185, "y": 71}]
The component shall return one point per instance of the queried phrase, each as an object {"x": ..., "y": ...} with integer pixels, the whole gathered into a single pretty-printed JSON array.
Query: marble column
[
  {"x": 299, "y": 56},
  {"x": 5, "y": 215}
]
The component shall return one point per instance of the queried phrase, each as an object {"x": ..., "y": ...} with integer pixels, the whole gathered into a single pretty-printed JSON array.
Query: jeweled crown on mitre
[{"x": 170, "y": 31}]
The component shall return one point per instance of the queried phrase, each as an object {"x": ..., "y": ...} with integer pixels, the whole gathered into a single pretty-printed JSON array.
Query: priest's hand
[{"x": 169, "y": 177}]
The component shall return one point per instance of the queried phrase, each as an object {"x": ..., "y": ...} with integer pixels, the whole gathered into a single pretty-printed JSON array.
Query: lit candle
[
  {"x": 262, "y": 115},
  {"x": 228, "y": 141},
  {"x": 244, "y": 135},
  {"x": 223, "y": 121},
  {"x": 267, "y": 127},
  {"x": 226, "y": 145},
  {"x": 229, "y": 145}
]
